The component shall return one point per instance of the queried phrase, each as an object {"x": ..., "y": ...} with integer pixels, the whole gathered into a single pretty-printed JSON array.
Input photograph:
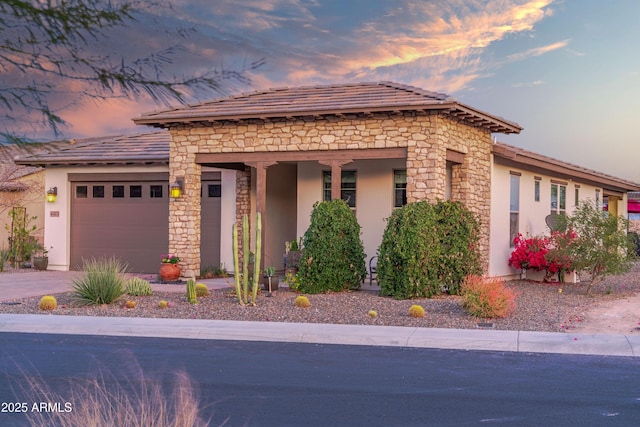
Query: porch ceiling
[{"x": 300, "y": 156}]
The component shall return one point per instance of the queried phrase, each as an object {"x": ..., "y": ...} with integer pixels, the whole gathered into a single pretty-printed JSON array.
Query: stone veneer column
[{"x": 184, "y": 213}]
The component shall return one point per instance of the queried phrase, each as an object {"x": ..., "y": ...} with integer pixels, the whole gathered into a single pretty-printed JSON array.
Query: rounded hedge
[
  {"x": 333, "y": 256},
  {"x": 428, "y": 249}
]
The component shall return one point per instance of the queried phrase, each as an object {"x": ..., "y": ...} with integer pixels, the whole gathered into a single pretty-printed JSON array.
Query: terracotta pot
[{"x": 169, "y": 272}]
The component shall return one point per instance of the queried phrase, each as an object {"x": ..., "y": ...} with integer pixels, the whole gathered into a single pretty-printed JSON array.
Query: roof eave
[
  {"x": 460, "y": 111},
  {"x": 564, "y": 170}
]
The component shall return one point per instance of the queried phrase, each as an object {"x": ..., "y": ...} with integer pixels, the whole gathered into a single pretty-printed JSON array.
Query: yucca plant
[{"x": 102, "y": 283}]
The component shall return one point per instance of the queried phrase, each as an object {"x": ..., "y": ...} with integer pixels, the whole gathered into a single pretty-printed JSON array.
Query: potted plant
[
  {"x": 292, "y": 256},
  {"x": 169, "y": 270},
  {"x": 41, "y": 260},
  {"x": 269, "y": 280}
]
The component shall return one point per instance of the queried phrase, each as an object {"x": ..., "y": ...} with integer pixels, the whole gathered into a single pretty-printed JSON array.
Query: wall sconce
[
  {"x": 52, "y": 194},
  {"x": 175, "y": 189}
]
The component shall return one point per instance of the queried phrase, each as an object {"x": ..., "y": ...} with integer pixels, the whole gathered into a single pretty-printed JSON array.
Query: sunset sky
[{"x": 568, "y": 71}]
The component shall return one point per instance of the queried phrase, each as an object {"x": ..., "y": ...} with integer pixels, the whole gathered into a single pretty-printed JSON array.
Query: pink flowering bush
[{"x": 544, "y": 253}]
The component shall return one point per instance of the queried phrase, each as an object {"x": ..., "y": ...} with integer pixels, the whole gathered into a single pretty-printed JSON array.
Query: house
[
  {"x": 278, "y": 151},
  {"x": 527, "y": 187},
  {"x": 22, "y": 187}
]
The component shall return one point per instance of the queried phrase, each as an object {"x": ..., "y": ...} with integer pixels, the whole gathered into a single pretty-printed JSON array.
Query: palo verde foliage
[
  {"x": 601, "y": 246},
  {"x": 427, "y": 249},
  {"x": 333, "y": 256}
]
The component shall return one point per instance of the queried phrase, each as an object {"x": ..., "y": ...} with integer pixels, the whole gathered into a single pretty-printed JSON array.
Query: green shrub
[
  {"x": 302, "y": 301},
  {"x": 487, "y": 298},
  {"x": 333, "y": 256},
  {"x": 416, "y": 311},
  {"x": 202, "y": 290},
  {"x": 428, "y": 249},
  {"x": 102, "y": 283},
  {"x": 137, "y": 286},
  {"x": 48, "y": 302}
]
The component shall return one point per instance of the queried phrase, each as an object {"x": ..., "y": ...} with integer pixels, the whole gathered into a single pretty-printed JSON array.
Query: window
[
  {"x": 536, "y": 190},
  {"x": 214, "y": 190},
  {"x": 347, "y": 187},
  {"x": 577, "y": 196},
  {"x": 118, "y": 192},
  {"x": 98, "y": 191},
  {"x": 135, "y": 191},
  {"x": 558, "y": 198},
  {"x": 514, "y": 208},
  {"x": 598, "y": 199},
  {"x": 155, "y": 191},
  {"x": 81, "y": 192},
  {"x": 399, "y": 188}
]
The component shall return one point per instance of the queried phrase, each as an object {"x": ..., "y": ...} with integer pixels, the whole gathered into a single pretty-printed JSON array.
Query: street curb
[{"x": 391, "y": 336}]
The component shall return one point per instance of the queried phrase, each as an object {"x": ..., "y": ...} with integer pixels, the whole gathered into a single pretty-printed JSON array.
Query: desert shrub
[
  {"x": 372, "y": 313},
  {"x": 428, "y": 249},
  {"x": 102, "y": 283},
  {"x": 416, "y": 311},
  {"x": 602, "y": 245},
  {"x": 130, "y": 304},
  {"x": 202, "y": 290},
  {"x": 48, "y": 302},
  {"x": 302, "y": 301},
  {"x": 137, "y": 286},
  {"x": 333, "y": 257},
  {"x": 163, "y": 304},
  {"x": 487, "y": 298}
]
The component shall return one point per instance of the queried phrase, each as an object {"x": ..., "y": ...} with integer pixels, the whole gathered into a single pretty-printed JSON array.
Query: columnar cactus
[
  {"x": 242, "y": 288},
  {"x": 191, "y": 291}
]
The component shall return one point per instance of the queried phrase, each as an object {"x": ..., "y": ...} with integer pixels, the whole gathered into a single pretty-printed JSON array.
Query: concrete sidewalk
[{"x": 20, "y": 285}]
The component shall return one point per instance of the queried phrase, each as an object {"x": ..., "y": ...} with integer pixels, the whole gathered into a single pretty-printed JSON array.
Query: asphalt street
[{"x": 292, "y": 384}]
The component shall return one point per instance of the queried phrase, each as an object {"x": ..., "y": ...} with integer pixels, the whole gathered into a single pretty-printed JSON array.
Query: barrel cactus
[
  {"x": 302, "y": 301},
  {"x": 48, "y": 302},
  {"x": 416, "y": 311},
  {"x": 202, "y": 290}
]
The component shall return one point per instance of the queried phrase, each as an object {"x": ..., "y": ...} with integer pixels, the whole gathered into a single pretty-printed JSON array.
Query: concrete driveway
[{"x": 32, "y": 283}]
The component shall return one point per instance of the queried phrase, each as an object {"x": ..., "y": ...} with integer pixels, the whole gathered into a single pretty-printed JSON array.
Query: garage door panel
[
  {"x": 135, "y": 229},
  {"x": 132, "y": 229}
]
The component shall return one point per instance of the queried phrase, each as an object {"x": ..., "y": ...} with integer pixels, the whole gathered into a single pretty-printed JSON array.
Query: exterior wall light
[
  {"x": 52, "y": 194},
  {"x": 176, "y": 189}
]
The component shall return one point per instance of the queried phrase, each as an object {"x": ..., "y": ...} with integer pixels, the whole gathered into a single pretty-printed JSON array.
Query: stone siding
[{"x": 427, "y": 136}]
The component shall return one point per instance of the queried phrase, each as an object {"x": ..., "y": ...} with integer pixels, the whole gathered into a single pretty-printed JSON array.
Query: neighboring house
[
  {"x": 377, "y": 145},
  {"x": 527, "y": 187},
  {"x": 20, "y": 186},
  {"x": 634, "y": 211}
]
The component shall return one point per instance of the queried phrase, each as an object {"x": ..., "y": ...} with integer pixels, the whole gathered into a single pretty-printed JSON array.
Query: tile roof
[
  {"x": 357, "y": 98},
  {"x": 560, "y": 169},
  {"x": 146, "y": 148}
]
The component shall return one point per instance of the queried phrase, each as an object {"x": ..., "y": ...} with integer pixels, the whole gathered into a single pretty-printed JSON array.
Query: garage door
[{"x": 127, "y": 216}]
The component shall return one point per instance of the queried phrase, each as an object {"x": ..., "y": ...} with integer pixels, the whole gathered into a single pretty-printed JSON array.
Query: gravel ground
[{"x": 539, "y": 307}]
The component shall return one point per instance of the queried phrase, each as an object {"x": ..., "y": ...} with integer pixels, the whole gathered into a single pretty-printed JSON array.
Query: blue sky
[{"x": 568, "y": 71}]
